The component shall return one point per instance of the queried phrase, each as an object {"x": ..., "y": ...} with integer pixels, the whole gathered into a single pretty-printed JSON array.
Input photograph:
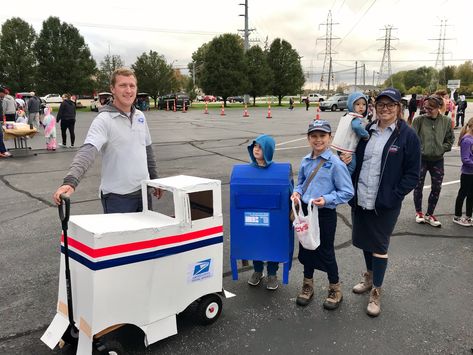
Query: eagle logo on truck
[{"x": 201, "y": 270}]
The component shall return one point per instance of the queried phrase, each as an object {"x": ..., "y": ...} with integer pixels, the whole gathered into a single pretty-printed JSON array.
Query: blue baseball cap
[
  {"x": 392, "y": 93},
  {"x": 319, "y": 125}
]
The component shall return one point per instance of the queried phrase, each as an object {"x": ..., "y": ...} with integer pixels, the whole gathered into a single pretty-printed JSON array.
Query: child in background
[
  {"x": 21, "y": 116},
  {"x": 49, "y": 124},
  {"x": 465, "y": 141},
  {"x": 331, "y": 186},
  {"x": 261, "y": 152},
  {"x": 350, "y": 127}
]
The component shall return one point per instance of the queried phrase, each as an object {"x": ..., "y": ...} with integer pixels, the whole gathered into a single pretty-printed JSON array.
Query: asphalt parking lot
[{"x": 427, "y": 305}]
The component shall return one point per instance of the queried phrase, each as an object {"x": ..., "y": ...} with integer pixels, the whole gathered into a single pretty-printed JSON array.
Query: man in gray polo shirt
[{"x": 121, "y": 134}]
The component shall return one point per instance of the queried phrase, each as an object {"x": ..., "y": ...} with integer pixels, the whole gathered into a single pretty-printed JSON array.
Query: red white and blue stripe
[{"x": 129, "y": 253}]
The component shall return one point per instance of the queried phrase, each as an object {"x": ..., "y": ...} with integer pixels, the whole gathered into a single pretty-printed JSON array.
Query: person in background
[
  {"x": 8, "y": 105},
  {"x": 412, "y": 107},
  {"x": 387, "y": 169},
  {"x": 448, "y": 105},
  {"x": 436, "y": 137},
  {"x": 465, "y": 141},
  {"x": 121, "y": 134},
  {"x": 49, "y": 123},
  {"x": 33, "y": 109},
  {"x": 461, "y": 109},
  {"x": 67, "y": 116}
]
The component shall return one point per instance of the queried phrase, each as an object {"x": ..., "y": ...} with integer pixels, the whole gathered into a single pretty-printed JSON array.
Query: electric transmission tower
[
  {"x": 385, "y": 67},
  {"x": 328, "y": 52},
  {"x": 440, "y": 61}
]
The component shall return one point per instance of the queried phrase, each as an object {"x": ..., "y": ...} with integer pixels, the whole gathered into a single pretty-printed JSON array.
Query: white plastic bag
[{"x": 306, "y": 228}]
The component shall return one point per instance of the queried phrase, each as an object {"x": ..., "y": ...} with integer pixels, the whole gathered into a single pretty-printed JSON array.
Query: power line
[{"x": 328, "y": 51}]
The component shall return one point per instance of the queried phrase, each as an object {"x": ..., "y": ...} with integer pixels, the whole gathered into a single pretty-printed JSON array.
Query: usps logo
[
  {"x": 141, "y": 119},
  {"x": 200, "y": 270}
]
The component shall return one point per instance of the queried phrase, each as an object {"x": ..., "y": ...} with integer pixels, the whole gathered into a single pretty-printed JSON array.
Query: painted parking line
[{"x": 444, "y": 184}]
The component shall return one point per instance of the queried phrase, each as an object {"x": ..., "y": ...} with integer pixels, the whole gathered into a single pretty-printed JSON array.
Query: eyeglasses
[{"x": 388, "y": 105}]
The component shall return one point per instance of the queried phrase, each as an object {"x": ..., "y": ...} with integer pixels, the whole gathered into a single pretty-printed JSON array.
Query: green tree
[
  {"x": 445, "y": 74},
  {"x": 154, "y": 75},
  {"x": 284, "y": 61},
  {"x": 107, "y": 67},
  {"x": 223, "y": 71},
  {"x": 17, "y": 57},
  {"x": 259, "y": 73},
  {"x": 64, "y": 60},
  {"x": 464, "y": 72}
]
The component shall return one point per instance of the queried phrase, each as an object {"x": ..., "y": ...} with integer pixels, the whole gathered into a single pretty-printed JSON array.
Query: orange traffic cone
[
  {"x": 174, "y": 108},
  {"x": 222, "y": 111},
  {"x": 245, "y": 113},
  {"x": 206, "y": 110},
  {"x": 317, "y": 114},
  {"x": 167, "y": 105},
  {"x": 183, "y": 106},
  {"x": 269, "y": 111}
]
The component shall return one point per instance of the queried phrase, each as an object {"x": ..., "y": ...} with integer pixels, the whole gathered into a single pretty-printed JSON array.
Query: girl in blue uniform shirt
[{"x": 331, "y": 186}]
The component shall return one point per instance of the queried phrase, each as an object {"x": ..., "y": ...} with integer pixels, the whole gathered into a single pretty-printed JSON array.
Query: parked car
[
  {"x": 52, "y": 98},
  {"x": 142, "y": 101},
  {"x": 167, "y": 101},
  {"x": 210, "y": 98},
  {"x": 333, "y": 103},
  {"x": 239, "y": 99},
  {"x": 314, "y": 97},
  {"x": 103, "y": 98}
]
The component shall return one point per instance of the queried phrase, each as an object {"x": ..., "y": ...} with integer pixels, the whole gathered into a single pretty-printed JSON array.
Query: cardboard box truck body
[{"x": 142, "y": 268}]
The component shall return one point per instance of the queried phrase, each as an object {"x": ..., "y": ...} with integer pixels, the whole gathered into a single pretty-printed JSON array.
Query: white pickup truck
[{"x": 313, "y": 97}]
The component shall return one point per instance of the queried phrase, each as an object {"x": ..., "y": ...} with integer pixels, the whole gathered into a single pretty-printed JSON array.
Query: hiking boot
[
  {"x": 432, "y": 220},
  {"x": 272, "y": 283},
  {"x": 364, "y": 285},
  {"x": 374, "y": 306},
  {"x": 462, "y": 221},
  {"x": 334, "y": 297},
  {"x": 255, "y": 278},
  {"x": 304, "y": 298},
  {"x": 420, "y": 217}
]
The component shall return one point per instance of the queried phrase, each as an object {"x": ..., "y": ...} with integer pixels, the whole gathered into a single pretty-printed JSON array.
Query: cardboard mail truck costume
[{"x": 143, "y": 268}]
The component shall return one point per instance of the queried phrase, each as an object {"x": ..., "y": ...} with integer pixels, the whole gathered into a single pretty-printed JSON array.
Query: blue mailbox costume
[{"x": 259, "y": 212}]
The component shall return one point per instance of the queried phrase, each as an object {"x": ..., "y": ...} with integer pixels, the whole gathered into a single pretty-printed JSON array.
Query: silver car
[{"x": 334, "y": 103}]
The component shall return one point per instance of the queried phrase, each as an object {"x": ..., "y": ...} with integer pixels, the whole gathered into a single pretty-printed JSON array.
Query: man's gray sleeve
[
  {"x": 82, "y": 161},
  {"x": 152, "y": 168}
]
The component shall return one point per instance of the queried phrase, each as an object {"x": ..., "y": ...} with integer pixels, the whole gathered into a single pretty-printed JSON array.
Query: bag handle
[{"x": 296, "y": 213}]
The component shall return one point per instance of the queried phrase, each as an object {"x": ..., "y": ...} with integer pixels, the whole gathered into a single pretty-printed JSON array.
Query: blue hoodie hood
[
  {"x": 267, "y": 144},
  {"x": 352, "y": 98}
]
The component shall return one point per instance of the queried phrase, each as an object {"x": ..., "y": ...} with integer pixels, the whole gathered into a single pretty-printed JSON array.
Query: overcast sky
[{"x": 176, "y": 29}]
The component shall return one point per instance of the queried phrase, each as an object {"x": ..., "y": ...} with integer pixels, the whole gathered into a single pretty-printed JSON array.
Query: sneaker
[
  {"x": 272, "y": 283},
  {"x": 432, "y": 220},
  {"x": 304, "y": 298},
  {"x": 334, "y": 297},
  {"x": 5, "y": 155},
  {"x": 374, "y": 306},
  {"x": 420, "y": 217},
  {"x": 62, "y": 145},
  {"x": 255, "y": 278},
  {"x": 364, "y": 285},
  {"x": 462, "y": 221}
]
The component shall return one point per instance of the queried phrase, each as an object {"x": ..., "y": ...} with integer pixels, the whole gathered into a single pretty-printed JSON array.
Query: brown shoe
[
  {"x": 304, "y": 298},
  {"x": 365, "y": 285},
  {"x": 334, "y": 297},
  {"x": 374, "y": 306}
]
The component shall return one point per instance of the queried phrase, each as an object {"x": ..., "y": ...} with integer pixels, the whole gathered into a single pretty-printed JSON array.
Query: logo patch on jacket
[
  {"x": 327, "y": 164},
  {"x": 393, "y": 149}
]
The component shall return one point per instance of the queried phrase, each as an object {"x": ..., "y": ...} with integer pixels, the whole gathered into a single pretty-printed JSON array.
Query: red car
[{"x": 210, "y": 98}]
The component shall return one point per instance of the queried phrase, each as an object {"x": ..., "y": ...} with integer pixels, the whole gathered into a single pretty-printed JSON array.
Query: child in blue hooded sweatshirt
[
  {"x": 351, "y": 128},
  {"x": 261, "y": 154}
]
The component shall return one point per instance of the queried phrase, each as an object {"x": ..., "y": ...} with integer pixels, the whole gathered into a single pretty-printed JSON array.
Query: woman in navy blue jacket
[{"x": 387, "y": 169}]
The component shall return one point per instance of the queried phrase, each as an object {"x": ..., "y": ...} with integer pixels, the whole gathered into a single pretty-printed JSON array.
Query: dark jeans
[
  {"x": 3, "y": 149},
  {"x": 460, "y": 119},
  {"x": 466, "y": 191},
  {"x": 435, "y": 168},
  {"x": 68, "y": 125},
  {"x": 115, "y": 203},
  {"x": 272, "y": 266}
]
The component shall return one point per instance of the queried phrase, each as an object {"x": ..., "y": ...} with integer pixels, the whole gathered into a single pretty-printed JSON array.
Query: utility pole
[
  {"x": 440, "y": 61},
  {"x": 246, "y": 36},
  {"x": 328, "y": 50},
  {"x": 364, "y": 74},
  {"x": 385, "y": 67},
  {"x": 356, "y": 73}
]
